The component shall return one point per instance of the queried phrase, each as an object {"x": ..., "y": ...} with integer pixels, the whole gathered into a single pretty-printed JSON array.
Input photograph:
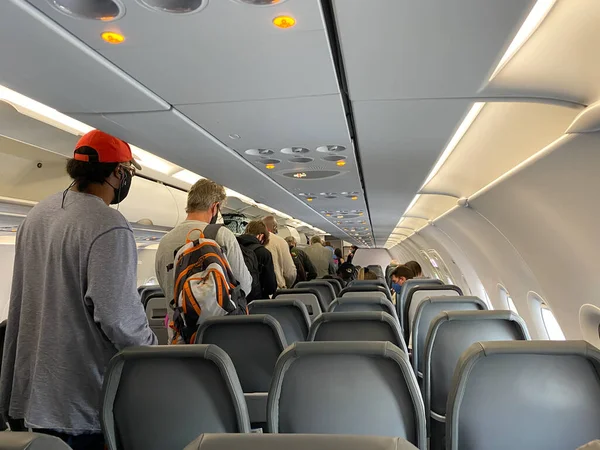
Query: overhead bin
[{"x": 72, "y": 77}]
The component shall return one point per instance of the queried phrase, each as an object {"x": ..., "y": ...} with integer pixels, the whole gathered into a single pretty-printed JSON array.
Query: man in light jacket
[
  {"x": 321, "y": 257},
  {"x": 285, "y": 269}
]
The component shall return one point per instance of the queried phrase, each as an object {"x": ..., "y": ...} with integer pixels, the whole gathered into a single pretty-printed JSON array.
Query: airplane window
[
  {"x": 553, "y": 329},
  {"x": 439, "y": 266},
  {"x": 507, "y": 299}
]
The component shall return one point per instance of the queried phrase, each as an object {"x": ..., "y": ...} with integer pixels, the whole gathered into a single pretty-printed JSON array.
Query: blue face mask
[{"x": 396, "y": 287}]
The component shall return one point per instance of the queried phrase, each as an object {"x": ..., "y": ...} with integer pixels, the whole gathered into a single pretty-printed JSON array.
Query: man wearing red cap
[{"x": 74, "y": 301}]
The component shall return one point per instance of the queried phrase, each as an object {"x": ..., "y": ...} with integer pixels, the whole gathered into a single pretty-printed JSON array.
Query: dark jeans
[{"x": 80, "y": 442}]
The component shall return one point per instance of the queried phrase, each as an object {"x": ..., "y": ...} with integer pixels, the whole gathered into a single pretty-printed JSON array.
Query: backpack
[
  {"x": 251, "y": 260},
  {"x": 204, "y": 287},
  {"x": 300, "y": 272}
]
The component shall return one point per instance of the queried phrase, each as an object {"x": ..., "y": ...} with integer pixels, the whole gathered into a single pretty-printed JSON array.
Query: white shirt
[{"x": 285, "y": 269}]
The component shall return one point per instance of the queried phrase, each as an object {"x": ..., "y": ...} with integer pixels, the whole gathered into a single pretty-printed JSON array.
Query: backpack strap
[{"x": 211, "y": 231}]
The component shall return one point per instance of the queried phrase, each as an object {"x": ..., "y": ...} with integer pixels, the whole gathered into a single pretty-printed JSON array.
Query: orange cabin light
[
  {"x": 113, "y": 38},
  {"x": 354, "y": 197},
  {"x": 341, "y": 163},
  {"x": 270, "y": 166},
  {"x": 284, "y": 21}
]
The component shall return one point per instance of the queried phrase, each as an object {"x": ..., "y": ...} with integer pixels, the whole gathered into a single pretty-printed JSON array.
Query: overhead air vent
[
  {"x": 301, "y": 159},
  {"x": 175, "y": 6},
  {"x": 311, "y": 174},
  {"x": 259, "y": 152},
  {"x": 333, "y": 158},
  {"x": 331, "y": 148},
  {"x": 295, "y": 150},
  {"x": 260, "y": 2},
  {"x": 105, "y": 10},
  {"x": 269, "y": 161}
]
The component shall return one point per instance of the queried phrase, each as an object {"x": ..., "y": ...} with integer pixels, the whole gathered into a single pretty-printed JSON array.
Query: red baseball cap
[{"x": 107, "y": 148}]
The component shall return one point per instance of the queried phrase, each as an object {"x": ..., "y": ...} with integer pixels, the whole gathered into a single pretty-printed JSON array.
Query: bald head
[{"x": 271, "y": 223}]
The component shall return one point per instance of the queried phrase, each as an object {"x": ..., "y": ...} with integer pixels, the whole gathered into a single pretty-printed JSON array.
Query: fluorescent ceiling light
[
  {"x": 537, "y": 14},
  {"x": 43, "y": 113},
  {"x": 187, "y": 177},
  {"x": 147, "y": 159},
  {"x": 460, "y": 132}
]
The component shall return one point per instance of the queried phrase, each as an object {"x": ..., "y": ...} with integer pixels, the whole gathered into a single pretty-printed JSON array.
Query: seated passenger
[
  {"x": 255, "y": 237},
  {"x": 345, "y": 273},
  {"x": 320, "y": 256},
  {"x": 416, "y": 269},
  {"x": 399, "y": 277},
  {"x": 74, "y": 302},
  {"x": 203, "y": 204},
  {"x": 285, "y": 269},
  {"x": 305, "y": 269},
  {"x": 369, "y": 275}
]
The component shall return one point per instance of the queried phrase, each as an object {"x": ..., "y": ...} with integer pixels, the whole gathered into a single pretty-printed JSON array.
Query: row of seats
[
  {"x": 34, "y": 441},
  {"x": 521, "y": 394}
]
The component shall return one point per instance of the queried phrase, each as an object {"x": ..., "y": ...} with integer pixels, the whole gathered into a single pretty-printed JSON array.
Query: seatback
[
  {"x": 309, "y": 296},
  {"x": 406, "y": 287},
  {"x": 417, "y": 294},
  {"x": 525, "y": 395},
  {"x": 163, "y": 397},
  {"x": 156, "y": 311},
  {"x": 362, "y": 388},
  {"x": 357, "y": 326},
  {"x": 368, "y": 283},
  {"x": 297, "y": 442},
  {"x": 364, "y": 289},
  {"x": 449, "y": 335},
  {"x": 428, "y": 309},
  {"x": 10, "y": 440},
  {"x": 150, "y": 291},
  {"x": 291, "y": 315},
  {"x": 364, "y": 304},
  {"x": 337, "y": 285},
  {"x": 252, "y": 342},
  {"x": 323, "y": 287}
]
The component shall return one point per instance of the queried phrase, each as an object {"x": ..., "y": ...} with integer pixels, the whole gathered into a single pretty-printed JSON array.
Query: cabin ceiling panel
[
  {"x": 560, "y": 60},
  {"x": 431, "y": 206},
  {"x": 226, "y": 52},
  {"x": 51, "y": 66},
  {"x": 399, "y": 142},
  {"x": 502, "y": 136},
  {"x": 405, "y": 49},
  {"x": 177, "y": 139}
]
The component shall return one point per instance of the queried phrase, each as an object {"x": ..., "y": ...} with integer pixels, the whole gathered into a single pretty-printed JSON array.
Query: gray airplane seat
[
  {"x": 253, "y": 343},
  {"x": 10, "y": 440},
  {"x": 337, "y": 285},
  {"x": 406, "y": 287},
  {"x": 357, "y": 326},
  {"x": 427, "y": 311},
  {"x": 361, "y": 388},
  {"x": 325, "y": 289},
  {"x": 163, "y": 397},
  {"x": 369, "y": 290},
  {"x": 450, "y": 334},
  {"x": 291, "y": 315},
  {"x": 364, "y": 304},
  {"x": 297, "y": 442},
  {"x": 368, "y": 283},
  {"x": 377, "y": 270},
  {"x": 149, "y": 292},
  {"x": 156, "y": 311},
  {"x": 309, "y": 296},
  {"x": 417, "y": 294},
  {"x": 525, "y": 395}
]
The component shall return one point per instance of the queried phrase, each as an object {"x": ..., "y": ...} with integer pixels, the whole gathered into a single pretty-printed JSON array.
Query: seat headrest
[
  {"x": 11, "y": 440},
  {"x": 297, "y": 442}
]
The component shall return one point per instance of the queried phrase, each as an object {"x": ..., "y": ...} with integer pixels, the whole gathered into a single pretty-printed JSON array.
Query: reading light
[
  {"x": 537, "y": 14},
  {"x": 270, "y": 166},
  {"x": 341, "y": 163},
  {"x": 309, "y": 199},
  {"x": 354, "y": 197},
  {"x": 113, "y": 38},
  {"x": 460, "y": 132},
  {"x": 284, "y": 21}
]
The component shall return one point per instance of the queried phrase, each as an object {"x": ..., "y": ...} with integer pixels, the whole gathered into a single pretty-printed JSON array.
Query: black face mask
[
  {"x": 214, "y": 218},
  {"x": 123, "y": 190}
]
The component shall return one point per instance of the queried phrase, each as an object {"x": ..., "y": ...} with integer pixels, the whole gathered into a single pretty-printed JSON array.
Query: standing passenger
[
  {"x": 255, "y": 238},
  {"x": 301, "y": 260},
  {"x": 203, "y": 205},
  {"x": 285, "y": 269},
  {"x": 321, "y": 257},
  {"x": 74, "y": 302}
]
